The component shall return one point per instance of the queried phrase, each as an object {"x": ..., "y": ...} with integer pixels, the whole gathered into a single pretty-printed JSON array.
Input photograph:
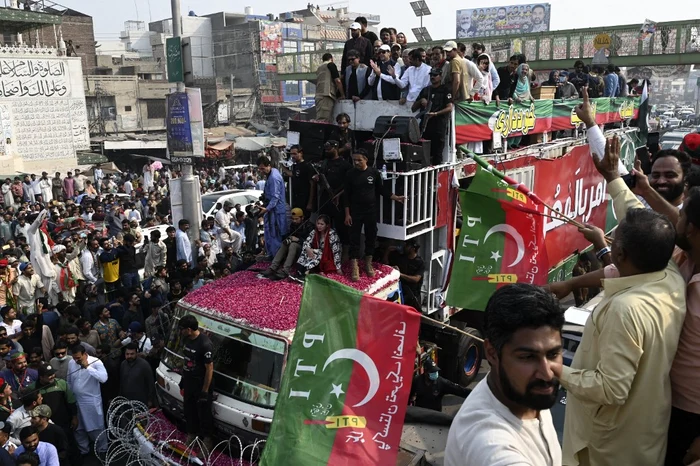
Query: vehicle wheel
[{"x": 470, "y": 355}]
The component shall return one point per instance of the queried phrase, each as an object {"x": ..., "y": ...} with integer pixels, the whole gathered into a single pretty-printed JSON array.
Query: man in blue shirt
[
  {"x": 612, "y": 82},
  {"x": 48, "y": 456},
  {"x": 275, "y": 210}
]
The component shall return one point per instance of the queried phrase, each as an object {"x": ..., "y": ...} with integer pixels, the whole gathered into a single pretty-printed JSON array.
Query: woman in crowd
[
  {"x": 520, "y": 94},
  {"x": 321, "y": 250}
]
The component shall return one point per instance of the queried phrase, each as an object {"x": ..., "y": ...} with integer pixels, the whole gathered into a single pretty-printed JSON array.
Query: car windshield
[
  {"x": 208, "y": 202},
  {"x": 247, "y": 365}
]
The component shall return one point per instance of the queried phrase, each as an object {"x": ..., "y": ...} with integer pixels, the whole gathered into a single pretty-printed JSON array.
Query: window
[
  {"x": 310, "y": 89},
  {"x": 155, "y": 109},
  {"x": 291, "y": 88},
  {"x": 290, "y": 46},
  {"x": 127, "y": 108}
]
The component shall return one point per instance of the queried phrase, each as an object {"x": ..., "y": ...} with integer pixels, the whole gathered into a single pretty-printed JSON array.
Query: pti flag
[
  {"x": 346, "y": 385},
  {"x": 501, "y": 242}
]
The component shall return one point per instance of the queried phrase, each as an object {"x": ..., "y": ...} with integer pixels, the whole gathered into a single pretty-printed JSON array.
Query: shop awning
[{"x": 223, "y": 145}]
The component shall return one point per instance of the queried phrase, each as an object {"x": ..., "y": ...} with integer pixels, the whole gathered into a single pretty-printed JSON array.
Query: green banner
[
  {"x": 477, "y": 122},
  {"x": 173, "y": 56}
]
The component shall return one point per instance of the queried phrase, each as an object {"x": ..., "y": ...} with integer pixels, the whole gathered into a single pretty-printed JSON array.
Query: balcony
[{"x": 16, "y": 21}]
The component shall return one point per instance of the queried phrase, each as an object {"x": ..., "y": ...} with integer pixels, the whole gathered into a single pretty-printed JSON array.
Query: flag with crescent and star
[
  {"x": 501, "y": 242},
  {"x": 346, "y": 383}
]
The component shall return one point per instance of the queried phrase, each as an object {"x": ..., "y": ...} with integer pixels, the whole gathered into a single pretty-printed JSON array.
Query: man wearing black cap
[
  {"x": 436, "y": 101},
  {"x": 59, "y": 398},
  {"x": 412, "y": 268},
  {"x": 429, "y": 388}
]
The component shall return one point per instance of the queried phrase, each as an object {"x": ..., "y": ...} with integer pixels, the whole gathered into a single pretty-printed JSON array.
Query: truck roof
[{"x": 246, "y": 298}]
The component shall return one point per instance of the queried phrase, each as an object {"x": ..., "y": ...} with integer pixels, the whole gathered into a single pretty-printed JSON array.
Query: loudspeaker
[
  {"x": 418, "y": 153},
  {"x": 309, "y": 130},
  {"x": 403, "y": 127},
  {"x": 414, "y": 156}
]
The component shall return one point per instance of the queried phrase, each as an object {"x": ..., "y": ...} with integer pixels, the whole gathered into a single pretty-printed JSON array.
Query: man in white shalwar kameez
[
  {"x": 41, "y": 252},
  {"x": 85, "y": 374}
]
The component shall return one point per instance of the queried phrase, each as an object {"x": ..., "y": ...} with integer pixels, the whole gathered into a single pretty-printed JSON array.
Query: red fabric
[
  {"x": 691, "y": 146},
  {"x": 327, "y": 264}
]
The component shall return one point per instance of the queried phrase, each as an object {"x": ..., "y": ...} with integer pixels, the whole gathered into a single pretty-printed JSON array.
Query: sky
[{"x": 441, "y": 24}]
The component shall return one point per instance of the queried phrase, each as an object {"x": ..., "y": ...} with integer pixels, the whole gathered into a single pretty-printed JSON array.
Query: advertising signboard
[{"x": 503, "y": 20}]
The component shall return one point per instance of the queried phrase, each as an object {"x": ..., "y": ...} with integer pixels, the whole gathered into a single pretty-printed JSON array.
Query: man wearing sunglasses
[{"x": 380, "y": 80}]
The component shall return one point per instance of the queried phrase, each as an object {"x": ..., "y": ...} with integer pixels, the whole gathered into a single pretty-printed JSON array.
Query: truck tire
[{"x": 470, "y": 355}]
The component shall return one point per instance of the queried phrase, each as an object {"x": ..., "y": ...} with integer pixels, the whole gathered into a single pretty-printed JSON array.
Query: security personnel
[
  {"x": 436, "y": 101},
  {"x": 299, "y": 176},
  {"x": 429, "y": 388},
  {"x": 196, "y": 385},
  {"x": 412, "y": 268},
  {"x": 363, "y": 186},
  {"x": 329, "y": 186}
]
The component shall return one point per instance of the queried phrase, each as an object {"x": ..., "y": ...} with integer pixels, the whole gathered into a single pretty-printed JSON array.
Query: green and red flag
[
  {"x": 501, "y": 242},
  {"x": 346, "y": 384}
]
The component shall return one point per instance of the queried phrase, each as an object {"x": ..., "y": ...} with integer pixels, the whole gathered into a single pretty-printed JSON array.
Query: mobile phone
[{"x": 630, "y": 180}]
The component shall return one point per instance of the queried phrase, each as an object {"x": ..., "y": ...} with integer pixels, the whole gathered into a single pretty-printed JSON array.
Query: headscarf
[
  {"x": 523, "y": 85},
  {"x": 487, "y": 88},
  {"x": 57, "y": 249}
]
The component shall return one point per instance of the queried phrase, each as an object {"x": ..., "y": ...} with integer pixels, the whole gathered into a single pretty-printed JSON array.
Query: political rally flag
[
  {"x": 501, "y": 242},
  {"x": 345, "y": 388}
]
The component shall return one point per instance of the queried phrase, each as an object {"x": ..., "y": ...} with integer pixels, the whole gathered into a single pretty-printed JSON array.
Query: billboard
[{"x": 503, "y": 20}]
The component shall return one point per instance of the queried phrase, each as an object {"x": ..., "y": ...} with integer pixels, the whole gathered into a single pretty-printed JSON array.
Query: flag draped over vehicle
[{"x": 346, "y": 384}]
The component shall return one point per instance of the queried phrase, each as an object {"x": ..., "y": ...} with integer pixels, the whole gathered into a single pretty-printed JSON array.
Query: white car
[
  {"x": 671, "y": 140},
  {"x": 212, "y": 202}
]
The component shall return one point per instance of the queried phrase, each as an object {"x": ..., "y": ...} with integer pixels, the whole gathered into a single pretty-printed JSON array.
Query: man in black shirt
[
  {"x": 363, "y": 186},
  {"x": 330, "y": 180},
  {"x": 412, "y": 268},
  {"x": 429, "y": 388},
  {"x": 508, "y": 78},
  {"x": 50, "y": 433},
  {"x": 437, "y": 100},
  {"x": 196, "y": 385},
  {"x": 300, "y": 178},
  {"x": 171, "y": 248},
  {"x": 366, "y": 33},
  {"x": 128, "y": 270},
  {"x": 358, "y": 43}
]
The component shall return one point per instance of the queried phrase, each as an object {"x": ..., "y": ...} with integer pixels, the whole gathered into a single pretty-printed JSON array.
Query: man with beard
[
  {"x": 299, "y": 176},
  {"x": 629, "y": 342},
  {"x": 358, "y": 43},
  {"x": 667, "y": 177},
  {"x": 291, "y": 247},
  {"x": 506, "y": 419},
  {"x": 538, "y": 19},
  {"x": 47, "y": 453},
  {"x": 429, "y": 388}
]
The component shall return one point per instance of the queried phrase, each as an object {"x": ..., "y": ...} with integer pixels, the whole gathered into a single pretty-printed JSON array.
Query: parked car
[
  {"x": 212, "y": 202},
  {"x": 671, "y": 140},
  {"x": 673, "y": 123}
]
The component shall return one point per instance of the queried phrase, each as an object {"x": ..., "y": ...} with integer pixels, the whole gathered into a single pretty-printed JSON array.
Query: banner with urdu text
[{"x": 476, "y": 121}]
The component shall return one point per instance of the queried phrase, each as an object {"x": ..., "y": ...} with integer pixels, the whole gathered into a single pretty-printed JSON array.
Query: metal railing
[{"x": 676, "y": 37}]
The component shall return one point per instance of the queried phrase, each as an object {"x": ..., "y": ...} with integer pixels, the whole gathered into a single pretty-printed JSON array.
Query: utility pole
[{"x": 190, "y": 209}]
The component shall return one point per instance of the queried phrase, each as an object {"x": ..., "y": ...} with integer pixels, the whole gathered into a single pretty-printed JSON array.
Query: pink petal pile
[
  {"x": 161, "y": 429},
  {"x": 266, "y": 303}
]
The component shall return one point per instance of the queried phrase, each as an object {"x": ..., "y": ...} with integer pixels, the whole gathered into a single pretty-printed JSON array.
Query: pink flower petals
[{"x": 265, "y": 303}]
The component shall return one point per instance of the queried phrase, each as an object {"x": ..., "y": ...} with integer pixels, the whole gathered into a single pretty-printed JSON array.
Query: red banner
[{"x": 572, "y": 185}]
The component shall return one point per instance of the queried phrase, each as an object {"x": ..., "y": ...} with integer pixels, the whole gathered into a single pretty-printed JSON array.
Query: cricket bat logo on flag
[
  {"x": 501, "y": 242},
  {"x": 345, "y": 388}
]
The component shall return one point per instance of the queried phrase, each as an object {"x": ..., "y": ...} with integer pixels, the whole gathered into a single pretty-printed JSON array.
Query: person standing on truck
[
  {"x": 329, "y": 181},
  {"x": 363, "y": 186},
  {"x": 329, "y": 87},
  {"x": 276, "y": 222},
  {"x": 299, "y": 175},
  {"x": 436, "y": 101},
  {"x": 506, "y": 418},
  {"x": 429, "y": 388},
  {"x": 196, "y": 385}
]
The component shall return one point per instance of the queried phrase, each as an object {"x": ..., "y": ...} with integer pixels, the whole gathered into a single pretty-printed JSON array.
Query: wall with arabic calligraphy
[{"x": 42, "y": 112}]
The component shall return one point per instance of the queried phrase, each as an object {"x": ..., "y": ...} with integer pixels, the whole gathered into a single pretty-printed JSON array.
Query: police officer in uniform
[
  {"x": 429, "y": 388},
  {"x": 196, "y": 385},
  {"x": 435, "y": 101}
]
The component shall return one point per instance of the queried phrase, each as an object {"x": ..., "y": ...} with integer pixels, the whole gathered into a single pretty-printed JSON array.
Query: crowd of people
[{"x": 631, "y": 391}]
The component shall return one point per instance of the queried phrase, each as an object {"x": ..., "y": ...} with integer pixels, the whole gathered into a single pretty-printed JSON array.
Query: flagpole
[
  {"x": 423, "y": 316},
  {"x": 522, "y": 188}
]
